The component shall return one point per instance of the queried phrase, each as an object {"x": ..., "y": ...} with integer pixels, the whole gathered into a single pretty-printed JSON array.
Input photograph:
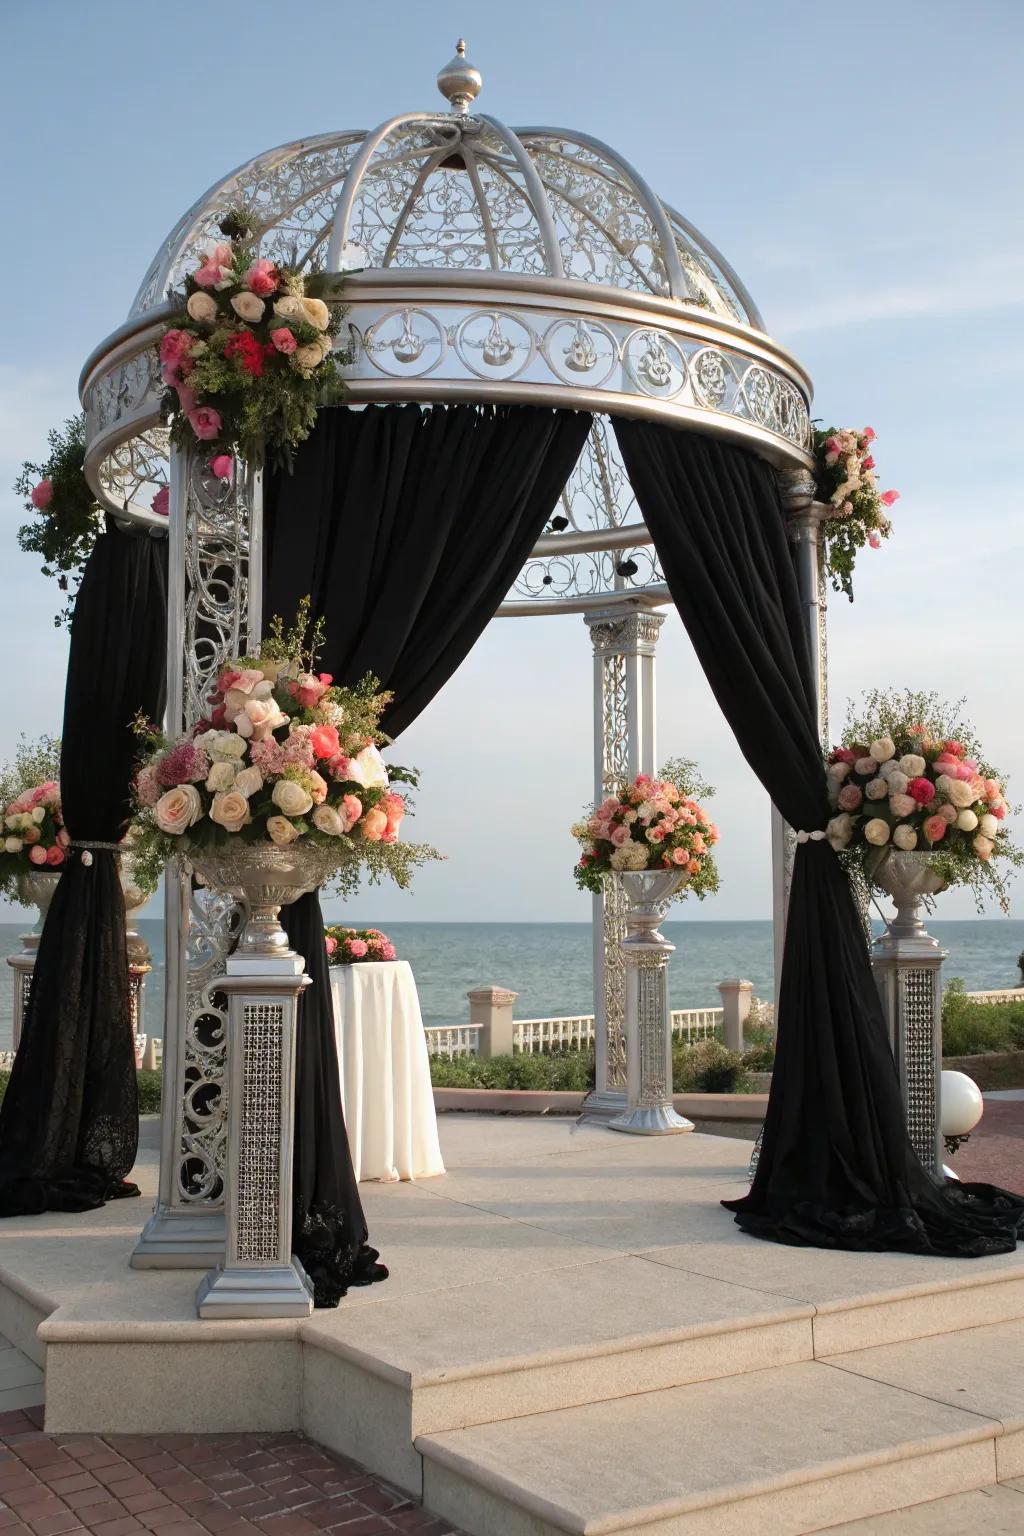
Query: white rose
[
  {"x": 281, "y": 831},
  {"x": 248, "y": 306},
  {"x": 983, "y": 846},
  {"x": 897, "y": 781},
  {"x": 178, "y": 809},
  {"x": 956, "y": 791},
  {"x": 866, "y": 767},
  {"x": 292, "y": 799},
  {"x": 838, "y": 771},
  {"x": 289, "y": 308},
  {"x": 369, "y": 769},
  {"x": 903, "y": 805},
  {"x": 202, "y": 308},
  {"x": 222, "y": 746},
  {"x": 839, "y": 830},
  {"x": 988, "y": 826},
  {"x": 876, "y": 831},
  {"x": 221, "y": 776},
  {"x": 13, "y": 844},
  {"x": 904, "y": 837},
  {"x": 913, "y": 765},
  {"x": 882, "y": 749},
  {"x": 315, "y": 312},
  {"x": 249, "y": 781},
  {"x": 967, "y": 821},
  {"x": 306, "y": 358},
  {"x": 230, "y": 810},
  {"x": 877, "y": 789},
  {"x": 259, "y": 719},
  {"x": 327, "y": 819}
]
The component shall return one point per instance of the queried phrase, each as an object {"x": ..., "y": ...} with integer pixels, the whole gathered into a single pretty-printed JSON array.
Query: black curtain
[
  {"x": 406, "y": 527},
  {"x": 69, "y": 1121},
  {"x": 836, "y": 1167}
]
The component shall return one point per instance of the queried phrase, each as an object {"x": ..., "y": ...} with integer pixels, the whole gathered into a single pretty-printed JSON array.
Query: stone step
[
  {"x": 780, "y": 1452},
  {"x": 997, "y": 1510}
]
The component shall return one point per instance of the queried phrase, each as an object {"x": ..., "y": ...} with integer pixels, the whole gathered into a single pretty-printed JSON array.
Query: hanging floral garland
[
  {"x": 845, "y": 473},
  {"x": 66, "y": 515},
  {"x": 249, "y": 358}
]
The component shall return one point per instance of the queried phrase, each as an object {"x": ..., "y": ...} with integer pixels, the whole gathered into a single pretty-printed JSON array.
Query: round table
[{"x": 386, "y": 1093}]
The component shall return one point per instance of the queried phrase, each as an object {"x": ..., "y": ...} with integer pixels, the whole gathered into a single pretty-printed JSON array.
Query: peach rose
[
  {"x": 983, "y": 847},
  {"x": 281, "y": 831},
  {"x": 351, "y": 809},
  {"x": 374, "y": 825},
  {"x": 876, "y": 789},
  {"x": 876, "y": 832},
  {"x": 935, "y": 828},
  {"x": 230, "y": 810},
  {"x": 882, "y": 749},
  {"x": 178, "y": 809},
  {"x": 37, "y": 854}
]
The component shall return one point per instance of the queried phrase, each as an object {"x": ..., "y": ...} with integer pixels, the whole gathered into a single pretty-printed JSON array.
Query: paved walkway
[{"x": 995, "y": 1152}]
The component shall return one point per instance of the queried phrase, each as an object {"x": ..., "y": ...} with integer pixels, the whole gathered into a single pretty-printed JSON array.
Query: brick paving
[
  {"x": 995, "y": 1152},
  {"x": 191, "y": 1485}
]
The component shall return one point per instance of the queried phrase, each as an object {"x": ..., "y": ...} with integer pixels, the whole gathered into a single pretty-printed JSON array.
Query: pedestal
[
  {"x": 22, "y": 966},
  {"x": 646, "y": 951},
  {"x": 259, "y": 1277}
]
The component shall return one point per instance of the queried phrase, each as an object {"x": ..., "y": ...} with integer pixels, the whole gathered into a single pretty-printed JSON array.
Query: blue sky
[{"x": 859, "y": 166}]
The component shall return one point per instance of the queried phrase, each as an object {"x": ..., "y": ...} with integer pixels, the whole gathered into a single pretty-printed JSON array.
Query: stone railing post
[
  {"x": 736, "y": 999},
  {"x": 490, "y": 1010}
]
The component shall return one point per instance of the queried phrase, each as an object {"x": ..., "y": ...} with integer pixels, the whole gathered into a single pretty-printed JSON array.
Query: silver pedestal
[
  {"x": 907, "y": 963},
  {"x": 649, "y": 1110},
  {"x": 258, "y": 1276}
]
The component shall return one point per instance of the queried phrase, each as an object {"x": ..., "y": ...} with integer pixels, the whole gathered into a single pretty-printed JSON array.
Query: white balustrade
[{"x": 535, "y": 1037}]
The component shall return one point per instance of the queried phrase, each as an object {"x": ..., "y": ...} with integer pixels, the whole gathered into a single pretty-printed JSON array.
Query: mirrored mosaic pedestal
[
  {"x": 258, "y": 1276},
  {"x": 907, "y": 963},
  {"x": 645, "y": 949}
]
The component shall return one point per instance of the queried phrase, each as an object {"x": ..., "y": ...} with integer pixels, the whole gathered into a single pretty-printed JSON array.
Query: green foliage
[
  {"x": 150, "y": 1084},
  {"x": 850, "y": 488},
  {"x": 706, "y": 1067},
  {"x": 5, "y": 1078},
  {"x": 759, "y": 1058},
  {"x": 970, "y": 1028},
  {"x": 65, "y": 531}
]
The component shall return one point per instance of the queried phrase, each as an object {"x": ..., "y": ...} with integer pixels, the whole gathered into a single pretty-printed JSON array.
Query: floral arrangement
[
  {"x": 909, "y": 775},
  {"x": 347, "y": 946},
  {"x": 651, "y": 824},
  {"x": 284, "y": 754},
  {"x": 33, "y": 836},
  {"x": 249, "y": 359},
  {"x": 66, "y": 514},
  {"x": 846, "y": 480}
]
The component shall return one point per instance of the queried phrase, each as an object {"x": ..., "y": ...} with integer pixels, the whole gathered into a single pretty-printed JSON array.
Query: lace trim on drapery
[{"x": 322, "y": 1242}]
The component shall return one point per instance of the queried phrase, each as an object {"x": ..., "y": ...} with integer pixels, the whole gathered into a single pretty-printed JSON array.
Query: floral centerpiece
[
  {"x": 846, "y": 481},
  {"x": 285, "y": 756},
  {"x": 66, "y": 517},
  {"x": 909, "y": 776},
  {"x": 34, "y": 839},
  {"x": 249, "y": 358},
  {"x": 651, "y": 824},
  {"x": 347, "y": 946}
]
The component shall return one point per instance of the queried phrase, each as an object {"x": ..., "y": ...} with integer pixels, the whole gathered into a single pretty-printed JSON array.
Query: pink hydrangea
[
  {"x": 330, "y": 944},
  {"x": 387, "y": 950},
  {"x": 269, "y": 757},
  {"x": 357, "y": 948}
]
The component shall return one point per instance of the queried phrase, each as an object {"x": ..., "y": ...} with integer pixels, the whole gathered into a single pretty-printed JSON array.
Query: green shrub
[
  {"x": 149, "y": 1092},
  {"x": 552, "y": 1072},
  {"x": 969, "y": 1028},
  {"x": 760, "y": 1059},
  {"x": 706, "y": 1067},
  {"x": 5, "y": 1078}
]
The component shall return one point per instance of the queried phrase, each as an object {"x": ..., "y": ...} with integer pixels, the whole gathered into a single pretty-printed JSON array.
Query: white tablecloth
[{"x": 385, "y": 1071}]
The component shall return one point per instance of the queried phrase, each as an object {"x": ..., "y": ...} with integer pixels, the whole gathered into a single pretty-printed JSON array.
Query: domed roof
[{"x": 461, "y": 191}]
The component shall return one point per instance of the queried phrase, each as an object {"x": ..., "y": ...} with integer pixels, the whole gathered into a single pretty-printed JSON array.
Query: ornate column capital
[{"x": 629, "y": 634}]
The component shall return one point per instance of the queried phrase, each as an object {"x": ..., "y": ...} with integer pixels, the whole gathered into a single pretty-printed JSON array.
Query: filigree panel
[
  {"x": 257, "y": 1233},
  {"x": 218, "y": 516},
  {"x": 202, "y": 1136},
  {"x": 917, "y": 1012},
  {"x": 652, "y": 1027}
]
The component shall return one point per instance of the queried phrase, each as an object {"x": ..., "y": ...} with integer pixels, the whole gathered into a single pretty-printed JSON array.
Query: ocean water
[{"x": 549, "y": 964}]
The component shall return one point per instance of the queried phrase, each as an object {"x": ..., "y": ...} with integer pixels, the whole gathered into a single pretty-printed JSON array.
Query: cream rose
[
  {"x": 13, "y": 845},
  {"x": 178, "y": 809},
  {"x": 327, "y": 819},
  {"x": 259, "y": 719},
  {"x": 839, "y": 830},
  {"x": 957, "y": 791},
  {"x": 903, "y": 805},
  {"x": 315, "y": 312},
  {"x": 838, "y": 771},
  {"x": 230, "y": 810},
  {"x": 904, "y": 837},
  {"x": 876, "y": 831},
  {"x": 882, "y": 749},
  {"x": 306, "y": 358},
  {"x": 988, "y": 826},
  {"x": 897, "y": 781},
  {"x": 292, "y": 799},
  {"x": 248, "y": 782},
  {"x": 369, "y": 769},
  {"x": 289, "y": 308},
  {"x": 913, "y": 765},
  {"x": 967, "y": 821},
  {"x": 222, "y": 746},
  {"x": 221, "y": 776},
  {"x": 202, "y": 308},
  {"x": 247, "y": 306},
  {"x": 877, "y": 789},
  {"x": 866, "y": 767},
  {"x": 281, "y": 831}
]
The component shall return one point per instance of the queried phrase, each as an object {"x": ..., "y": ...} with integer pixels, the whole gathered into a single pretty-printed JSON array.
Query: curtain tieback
[
  {"x": 818, "y": 836},
  {"x": 86, "y": 848}
]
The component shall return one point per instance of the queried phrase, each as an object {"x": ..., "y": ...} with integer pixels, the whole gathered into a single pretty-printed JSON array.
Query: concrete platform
[{"x": 571, "y": 1320}]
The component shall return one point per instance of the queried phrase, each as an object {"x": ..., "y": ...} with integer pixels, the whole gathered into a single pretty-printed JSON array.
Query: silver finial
[{"x": 459, "y": 82}]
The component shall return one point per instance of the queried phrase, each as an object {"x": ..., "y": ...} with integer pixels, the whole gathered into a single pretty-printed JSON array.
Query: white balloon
[{"x": 962, "y": 1104}]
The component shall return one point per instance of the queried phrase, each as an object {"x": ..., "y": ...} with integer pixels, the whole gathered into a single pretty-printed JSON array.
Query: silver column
[
  {"x": 214, "y": 613},
  {"x": 624, "y": 746}
]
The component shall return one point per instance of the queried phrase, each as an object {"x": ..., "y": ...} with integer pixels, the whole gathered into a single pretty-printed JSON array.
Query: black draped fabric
[
  {"x": 406, "y": 527},
  {"x": 69, "y": 1121},
  {"x": 836, "y": 1167}
]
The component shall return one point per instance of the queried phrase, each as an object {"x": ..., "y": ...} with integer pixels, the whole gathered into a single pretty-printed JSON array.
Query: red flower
[
  {"x": 921, "y": 790},
  {"x": 954, "y": 749},
  {"x": 248, "y": 350}
]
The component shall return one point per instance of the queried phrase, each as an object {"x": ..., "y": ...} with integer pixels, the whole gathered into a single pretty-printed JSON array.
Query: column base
[
  {"x": 279, "y": 1290},
  {"x": 191, "y": 1240},
  {"x": 602, "y": 1105},
  {"x": 651, "y": 1120}
]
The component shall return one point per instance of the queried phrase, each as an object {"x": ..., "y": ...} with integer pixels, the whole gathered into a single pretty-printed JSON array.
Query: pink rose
[
  {"x": 948, "y": 814},
  {"x": 620, "y": 835},
  {"x": 656, "y": 834},
  {"x": 221, "y": 466},
  {"x": 330, "y": 944},
  {"x": 261, "y": 278},
  {"x": 208, "y": 276},
  {"x": 42, "y": 495},
  {"x": 680, "y": 856},
  {"x": 37, "y": 853},
  {"x": 161, "y": 502},
  {"x": 63, "y": 837},
  {"x": 874, "y": 541},
  {"x": 935, "y": 828},
  {"x": 324, "y": 741},
  {"x": 351, "y": 809},
  {"x": 993, "y": 789},
  {"x": 205, "y": 422},
  {"x": 998, "y": 811},
  {"x": 921, "y": 790},
  {"x": 387, "y": 950},
  {"x": 54, "y": 856},
  {"x": 844, "y": 755},
  {"x": 283, "y": 340},
  {"x": 850, "y": 797},
  {"x": 357, "y": 948},
  {"x": 867, "y": 462},
  {"x": 869, "y": 434},
  {"x": 888, "y": 498}
]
